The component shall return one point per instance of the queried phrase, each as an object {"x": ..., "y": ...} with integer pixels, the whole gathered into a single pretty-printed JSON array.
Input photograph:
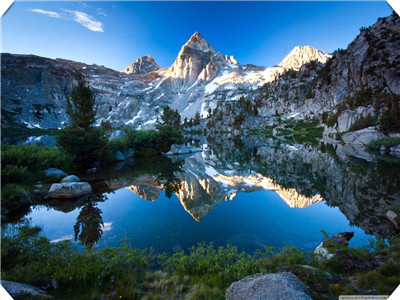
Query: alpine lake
[{"x": 249, "y": 192}]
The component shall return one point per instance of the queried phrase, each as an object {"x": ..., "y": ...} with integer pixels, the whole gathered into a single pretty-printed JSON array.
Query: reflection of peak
[{"x": 146, "y": 188}]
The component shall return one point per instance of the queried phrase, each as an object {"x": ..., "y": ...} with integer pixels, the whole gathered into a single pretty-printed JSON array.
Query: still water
[{"x": 249, "y": 193}]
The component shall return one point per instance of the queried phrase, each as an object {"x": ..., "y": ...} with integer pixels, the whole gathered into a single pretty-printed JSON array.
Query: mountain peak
[
  {"x": 301, "y": 55},
  {"x": 198, "y": 42},
  {"x": 142, "y": 65}
]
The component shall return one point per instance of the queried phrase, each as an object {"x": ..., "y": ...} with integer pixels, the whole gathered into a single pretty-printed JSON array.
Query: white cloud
[
  {"x": 51, "y": 14},
  {"x": 86, "y": 20},
  {"x": 78, "y": 16}
]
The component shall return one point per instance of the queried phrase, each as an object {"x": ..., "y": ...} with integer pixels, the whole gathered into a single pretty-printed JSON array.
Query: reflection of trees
[
  {"x": 88, "y": 226},
  {"x": 167, "y": 176}
]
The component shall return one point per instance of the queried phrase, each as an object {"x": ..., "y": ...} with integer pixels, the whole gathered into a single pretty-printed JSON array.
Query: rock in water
[
  {"x": 277, "y": 286},
  {"x": 69, "y": 190},
  {"x": 16, "y": 289},
  {"x": 118, "y": 156},
  {"x": 55, "y": 173},
  {"x": 70, "y": 178}
]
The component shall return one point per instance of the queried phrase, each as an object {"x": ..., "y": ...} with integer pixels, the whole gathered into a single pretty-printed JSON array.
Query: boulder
[
  {"x": 392, "y": 216},
  {"x": 69, "y": 190},
  {"x": 117, "y": 134},
  {"x": 118, "y": 156},
  {"x": 277, "y": 286},
  {"x": 363, "y": 136},
  {"x": 16, "y": 289},
  {"x": 55, "y": 173},
  {"x": 179, "y": 150},
  {"x": 340, "y": 238},
  {"x": 71, "y": 178},
  {"x": 92, "y": 170},
  {"x": 194, "y": 149}
]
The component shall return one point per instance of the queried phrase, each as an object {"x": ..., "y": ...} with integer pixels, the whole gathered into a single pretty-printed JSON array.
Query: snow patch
[{"x": 134, "y": 118}]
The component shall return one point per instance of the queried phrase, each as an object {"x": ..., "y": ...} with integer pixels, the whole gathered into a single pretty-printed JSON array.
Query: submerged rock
[
  {"x": 69, "y": 190},
  {"x": 283, "y": 285},
  {"x": 70, "y": 178},
  {"x": 55, "y": 173},
  {"x": 16, "y": 289}
]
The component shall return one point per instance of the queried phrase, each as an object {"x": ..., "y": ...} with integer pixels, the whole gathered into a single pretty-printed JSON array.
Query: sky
[{"x": 115, "y": 34}]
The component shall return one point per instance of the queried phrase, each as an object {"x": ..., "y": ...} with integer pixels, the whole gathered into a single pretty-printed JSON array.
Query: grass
[{"x": 201, "y": 272}]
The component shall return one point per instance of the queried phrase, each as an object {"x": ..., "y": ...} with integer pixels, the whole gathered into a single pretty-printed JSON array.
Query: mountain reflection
[{"x": 301, "y": 174}]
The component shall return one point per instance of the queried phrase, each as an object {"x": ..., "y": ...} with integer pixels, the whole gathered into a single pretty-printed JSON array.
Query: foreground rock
[
  {"x": 69, "y": 190},
  {"x": 324, "y": 250},
  {"x": 277, "y": 286},
  {"x": 16, "y": 289},
  {"x": 53, "y": 172}
]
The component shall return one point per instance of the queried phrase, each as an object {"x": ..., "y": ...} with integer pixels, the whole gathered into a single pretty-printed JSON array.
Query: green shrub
[
  {"x": 11, "y": 196},
  {"x": 363, "y": 122},
  {"x": 12, "y": 173},
  {"x": 387, "y": 142}
]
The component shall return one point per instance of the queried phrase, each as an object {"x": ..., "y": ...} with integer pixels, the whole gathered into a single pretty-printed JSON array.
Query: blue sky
[{"x": 114, "y": 34}]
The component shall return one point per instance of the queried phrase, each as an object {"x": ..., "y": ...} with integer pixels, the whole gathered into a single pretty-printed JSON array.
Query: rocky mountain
[
  {"x": 143, "y": 65},
  {"x": 300, "y": 56},
  {"x": 305, "y": 84}
]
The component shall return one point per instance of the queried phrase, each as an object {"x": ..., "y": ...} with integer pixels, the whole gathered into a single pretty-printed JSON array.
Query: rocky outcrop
[
  {"x": 300, "y": 56},
  {"x": 117, "y": 135},
  {"x": 16, "y": 289},
  {"x": 277, "y": 286},
  {"x": 143, "y": 65},
  {"x": 69, "y": 190},
  {"x": 363, "y": 136}
]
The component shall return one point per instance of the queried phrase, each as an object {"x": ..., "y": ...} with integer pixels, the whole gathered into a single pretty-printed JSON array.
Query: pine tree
[
  {"x": 85, "y": 142},
  {"x": 170, "y": 127}
]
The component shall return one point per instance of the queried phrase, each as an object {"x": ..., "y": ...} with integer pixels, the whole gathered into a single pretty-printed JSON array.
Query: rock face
[
  {"x": 69, "y": 190},
  {"x": 16, "y": 289},
  {"x": 143, "y": 65},
  {"x": 307, "y": 83},
  {"x": 300, "y": 56},
  {"x": 363, "y": 136},
  {"x": 117, "y": 134},
  {"x": 277, "y": 286}
]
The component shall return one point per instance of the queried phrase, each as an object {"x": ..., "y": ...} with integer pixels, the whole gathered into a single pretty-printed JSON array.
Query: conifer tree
[{"x": 81, "y": 139}]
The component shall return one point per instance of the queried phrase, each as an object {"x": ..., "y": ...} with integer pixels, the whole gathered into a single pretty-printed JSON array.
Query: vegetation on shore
[{"x": 201, "y": 272}]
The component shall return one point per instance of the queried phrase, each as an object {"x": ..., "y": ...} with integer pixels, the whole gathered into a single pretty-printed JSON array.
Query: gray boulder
[
  {"x": 179, "y": 150},
  {"x": 71, "y": 178},
  {"x": 363, "y": 136},
  {"x": 55, "y": 173},
  {"x": 277, "y": 286},
  {"x": 117, "y": 134},
  {"x": 118, "y": 156},
  {"x": 69, "y": 190},
  {"x": 16, "y": 289}
]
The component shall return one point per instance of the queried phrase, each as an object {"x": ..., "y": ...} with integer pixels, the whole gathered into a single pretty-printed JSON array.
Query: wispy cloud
[
  {"x": 86, "y": 20},
  {"x": 80, "y": 17},
  {"x": 48, "y": 13}
]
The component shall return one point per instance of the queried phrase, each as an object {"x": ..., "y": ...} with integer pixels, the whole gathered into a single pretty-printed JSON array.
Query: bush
[
  {"x": 32, "y": 157},
  {"x": 11, "y": 195},
  {"x": 12, "y": 173},
  {"x": 363, "y": 122}
]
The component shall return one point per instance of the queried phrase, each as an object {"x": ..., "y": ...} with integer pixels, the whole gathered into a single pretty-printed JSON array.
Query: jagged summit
[
  {"x": 143, "y": 65},
  {"x": 198, "y": 42},
  {"x": 300, "y": 56}
]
